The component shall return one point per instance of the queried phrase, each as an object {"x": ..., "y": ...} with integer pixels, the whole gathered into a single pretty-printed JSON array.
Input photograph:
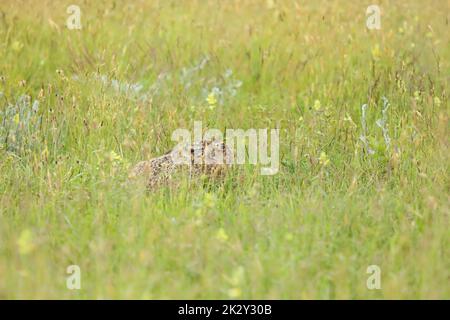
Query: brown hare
[{"x": 209, "y": 158}]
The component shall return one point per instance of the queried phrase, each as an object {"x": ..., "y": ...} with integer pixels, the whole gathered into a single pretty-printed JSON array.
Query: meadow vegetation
[{"x": 364, "y": 159}]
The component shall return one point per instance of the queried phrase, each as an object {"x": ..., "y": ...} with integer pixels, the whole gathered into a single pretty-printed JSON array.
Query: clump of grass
[
  {"x": 357, "y": 186},
  {"x": 20, "y": 124}
]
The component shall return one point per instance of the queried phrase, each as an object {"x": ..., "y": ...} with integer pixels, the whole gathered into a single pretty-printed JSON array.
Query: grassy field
[{"x": 356, "y": 187}]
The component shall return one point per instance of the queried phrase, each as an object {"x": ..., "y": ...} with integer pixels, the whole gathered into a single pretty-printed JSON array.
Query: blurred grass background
[{"x": 79, "y": 107}]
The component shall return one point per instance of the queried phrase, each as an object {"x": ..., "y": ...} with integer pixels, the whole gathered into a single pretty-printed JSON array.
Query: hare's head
[
  {"x": 204, "y": 152},
  {"x": 216, "y": 152}
]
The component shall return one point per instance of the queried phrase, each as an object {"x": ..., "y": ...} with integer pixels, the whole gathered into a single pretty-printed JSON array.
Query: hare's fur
[{"x": 209, "y": 158}]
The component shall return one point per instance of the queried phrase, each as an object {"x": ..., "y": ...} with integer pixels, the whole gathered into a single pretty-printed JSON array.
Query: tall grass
[{"x": 357, "y": 186}]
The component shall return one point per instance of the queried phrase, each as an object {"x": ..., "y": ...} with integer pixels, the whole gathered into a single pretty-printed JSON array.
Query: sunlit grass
[{"x": 357, "y": 185}]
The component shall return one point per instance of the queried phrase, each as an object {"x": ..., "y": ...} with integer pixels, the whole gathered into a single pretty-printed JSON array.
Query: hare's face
[
  {"x": 217, "y": 153},
  {"x": 212, "y": 152}
]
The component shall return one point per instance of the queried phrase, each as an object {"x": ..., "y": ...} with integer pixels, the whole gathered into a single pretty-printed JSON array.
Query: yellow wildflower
[
  {"x": 16, "y": 119},
  {"x": 234, "y": 293},
  {"x": 212, "y": 101},
  {"x": 221, "y": 235},
  {"x": 317, "y": 105},
  {"x": 17, "y": 46},
  {"x": 323, "y": 159},
  {"x": 25, "y": 242},
  {"x": 437, "y": 101},
  {"x": 376, "y": 53},
  {"x": 114, "y": 156}
]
